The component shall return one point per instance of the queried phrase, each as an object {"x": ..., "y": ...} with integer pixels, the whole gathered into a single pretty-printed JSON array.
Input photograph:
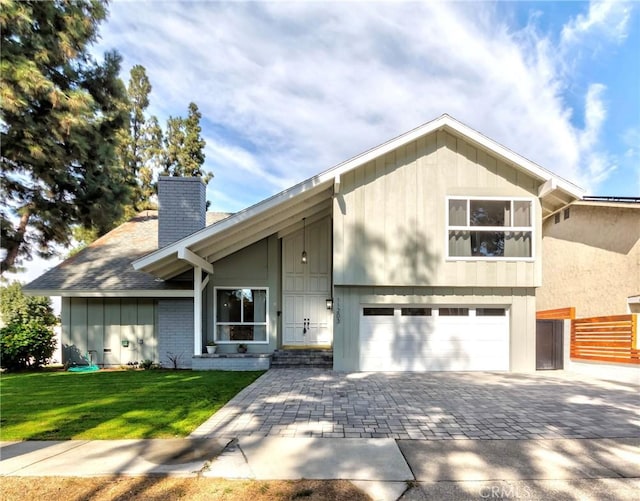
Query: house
[
  {"x": 421, "y": 254},
  {"x": 596, "y": 239}
]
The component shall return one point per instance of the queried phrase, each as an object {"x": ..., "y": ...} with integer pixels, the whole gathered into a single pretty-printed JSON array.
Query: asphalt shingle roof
[{"x": 105, "y": 265}]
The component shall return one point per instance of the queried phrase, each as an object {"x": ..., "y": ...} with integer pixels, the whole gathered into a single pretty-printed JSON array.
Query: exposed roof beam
[
  {"x": 298, "y": 207},
  {"x": 259, "y": 234},
  {"x": 547, "y": 187},
  {"x": 195, "y": 260},
  {"x": 284, "y": 199},
  {"x": 297, "y": 225}
]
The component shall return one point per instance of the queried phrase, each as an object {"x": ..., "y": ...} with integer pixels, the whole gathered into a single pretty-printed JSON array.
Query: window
[
  {"x": 241, "y": 315},
  {"x": 377, "y": 312},
  {"x": 490, "y": 312},
  {"x": 490, "y": 228},
  {"x": 567, "y": 213},
  {"x": 453, "y": 312},
  {"x": 416, "y": 312},
  {"x": 556, "y": 218}
]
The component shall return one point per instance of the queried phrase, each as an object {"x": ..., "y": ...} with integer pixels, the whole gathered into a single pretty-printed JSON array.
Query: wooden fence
[
  {"x": 559, "y": 314},
  {"x": 606, "y": 339}
]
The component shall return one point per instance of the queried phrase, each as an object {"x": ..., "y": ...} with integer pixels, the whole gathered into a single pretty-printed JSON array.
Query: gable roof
[
  {"x": 284, "y": 211},
  {"x": 104, "y": 267}
]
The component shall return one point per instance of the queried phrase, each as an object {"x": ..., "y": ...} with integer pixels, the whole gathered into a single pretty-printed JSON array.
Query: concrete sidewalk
[{"x": 387, "y": 469}]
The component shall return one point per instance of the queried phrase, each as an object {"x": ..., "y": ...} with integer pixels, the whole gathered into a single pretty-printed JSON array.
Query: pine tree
[
  {"x": 139, "y": 144},
  {"x": 184, "y": 146},
  {"x": 61, "y": 112}
]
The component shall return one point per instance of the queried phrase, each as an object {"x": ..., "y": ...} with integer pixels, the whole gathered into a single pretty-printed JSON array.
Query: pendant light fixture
[{"x": 304, "y": 240}]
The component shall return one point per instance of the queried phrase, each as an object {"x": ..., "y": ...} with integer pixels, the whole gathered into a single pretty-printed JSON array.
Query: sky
[{"x": 289, "y": 89}]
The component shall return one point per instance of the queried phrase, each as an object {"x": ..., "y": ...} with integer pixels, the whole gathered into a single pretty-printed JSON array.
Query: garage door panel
[{"x": 433, "y": 343}]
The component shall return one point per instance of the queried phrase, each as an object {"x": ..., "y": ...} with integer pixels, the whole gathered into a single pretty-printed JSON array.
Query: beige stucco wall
[{"x": 591, "y": 260}]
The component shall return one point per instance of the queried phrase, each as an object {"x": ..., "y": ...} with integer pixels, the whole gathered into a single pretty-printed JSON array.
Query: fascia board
[
  {"x": 109, "y": 293},
  {"x": 617, "y": 205}
]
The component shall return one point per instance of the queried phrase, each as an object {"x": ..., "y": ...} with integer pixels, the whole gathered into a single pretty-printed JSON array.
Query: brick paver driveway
[{"x": 434, "y": 406}]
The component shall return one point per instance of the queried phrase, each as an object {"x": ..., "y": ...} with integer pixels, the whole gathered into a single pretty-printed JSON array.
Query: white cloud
[
  {"x": 599, "y": 164},
  {"x": 607, "y": 19},
  {"x": 289, "y": 89},
  {"x": 294, "y": 88}
]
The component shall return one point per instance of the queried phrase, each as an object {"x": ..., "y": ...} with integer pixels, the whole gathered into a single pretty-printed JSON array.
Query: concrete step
[{"x": 322, "y": 358}]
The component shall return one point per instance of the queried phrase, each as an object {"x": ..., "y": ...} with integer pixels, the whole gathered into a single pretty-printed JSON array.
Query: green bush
[
  {"x": 146, "y": 364},
  {"x": 16, "y": 308},
  {"x": 27, "y": 345}
]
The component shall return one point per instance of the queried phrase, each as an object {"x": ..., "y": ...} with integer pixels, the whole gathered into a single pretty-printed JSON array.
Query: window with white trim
[
  {"x": 489, "y": 228},
  {"x": 241, "y": 315}
]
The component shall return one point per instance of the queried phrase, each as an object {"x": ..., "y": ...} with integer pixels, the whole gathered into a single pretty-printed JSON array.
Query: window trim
[
  {"x": 510, "y": 229},
  {"x": 215, "y": 315}
]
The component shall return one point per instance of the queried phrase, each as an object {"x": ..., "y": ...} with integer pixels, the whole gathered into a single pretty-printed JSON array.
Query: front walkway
[{"x": 433, "y": 406}]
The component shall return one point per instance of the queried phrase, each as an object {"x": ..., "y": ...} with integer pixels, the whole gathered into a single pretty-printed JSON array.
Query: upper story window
[
  {"x": 241, "y": 315},
  {"x": 490, "y": 228}
]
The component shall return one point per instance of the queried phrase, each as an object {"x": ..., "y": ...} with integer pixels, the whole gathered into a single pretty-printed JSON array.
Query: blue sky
[{"x": 290, "y": 89}]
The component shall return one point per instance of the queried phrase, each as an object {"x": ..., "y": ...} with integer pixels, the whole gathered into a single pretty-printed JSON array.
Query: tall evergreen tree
[
  {"x": 140, "y": 143},
  {"x": 132, "y": 147},
  {"x": 184, "y": 146},
  {"x": 61, "y": 111}
]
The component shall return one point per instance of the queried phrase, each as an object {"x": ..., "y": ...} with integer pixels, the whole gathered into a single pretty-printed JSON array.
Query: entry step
[{"x": 315, "y": 358}]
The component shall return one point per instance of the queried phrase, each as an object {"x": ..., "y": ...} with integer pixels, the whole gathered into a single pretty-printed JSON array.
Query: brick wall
[
  {"x": 232, "y": 363},
  {"x": 182, "y": 208},
  {"x": 175, "y": 331}
]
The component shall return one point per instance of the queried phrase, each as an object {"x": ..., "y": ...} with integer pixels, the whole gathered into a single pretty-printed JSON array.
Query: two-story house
[{"x": 421, "y": 254}]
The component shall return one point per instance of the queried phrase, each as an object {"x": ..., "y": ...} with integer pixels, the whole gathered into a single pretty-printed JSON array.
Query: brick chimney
[{"x": 182, "y": 208}]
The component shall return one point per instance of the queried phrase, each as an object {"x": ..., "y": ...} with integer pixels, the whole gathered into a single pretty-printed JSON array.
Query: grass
[
  {"x": 193, "y": 489},
  {"x": 113, "y": 404}
]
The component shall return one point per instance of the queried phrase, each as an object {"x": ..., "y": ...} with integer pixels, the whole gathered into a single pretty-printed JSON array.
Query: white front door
[{"x": 307, "y": 286}]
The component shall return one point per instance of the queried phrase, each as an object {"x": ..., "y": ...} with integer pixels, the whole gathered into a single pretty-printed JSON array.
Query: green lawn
[{"x": 112, "y": 404}]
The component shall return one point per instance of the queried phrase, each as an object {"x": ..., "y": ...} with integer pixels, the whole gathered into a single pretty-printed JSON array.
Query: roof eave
[
  {"x": 152, "y": 262},
  {"x": 147, "y": 293}
]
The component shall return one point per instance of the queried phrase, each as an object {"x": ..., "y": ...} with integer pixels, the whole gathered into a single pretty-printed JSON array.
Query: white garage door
[{"x": 416, "y": 338}]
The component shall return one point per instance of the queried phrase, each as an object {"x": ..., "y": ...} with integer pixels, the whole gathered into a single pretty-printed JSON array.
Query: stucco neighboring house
[
  {"x": 423, "y": 253},
  {"x": 592, "y": 257}
]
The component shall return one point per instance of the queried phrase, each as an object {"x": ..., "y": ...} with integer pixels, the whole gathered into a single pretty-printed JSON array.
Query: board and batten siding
[
  {"x": 390, "y": 216},
  {"x": 99, "y": 324},
  {"x": 349, "y": 301},
  {"x": 257, "y": 265}
]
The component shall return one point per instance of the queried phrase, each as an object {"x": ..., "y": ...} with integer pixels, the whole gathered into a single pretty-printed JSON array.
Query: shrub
[
  {"x": 146, "y": 364},
  {"x": 26, "y": 345},
  {"x": 16, "y": 308}
]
